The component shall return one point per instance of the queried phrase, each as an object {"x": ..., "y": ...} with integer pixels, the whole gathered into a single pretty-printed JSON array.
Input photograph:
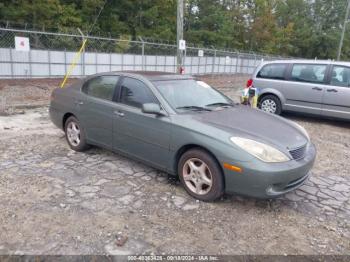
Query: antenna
[{"x": 97, "y": 17}]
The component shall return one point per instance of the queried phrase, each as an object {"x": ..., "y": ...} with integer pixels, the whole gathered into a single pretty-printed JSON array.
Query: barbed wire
[{"x": 108, "y": 36}]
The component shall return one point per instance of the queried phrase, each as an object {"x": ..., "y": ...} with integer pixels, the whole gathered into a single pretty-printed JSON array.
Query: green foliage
[{"x": 301, "y": 28}]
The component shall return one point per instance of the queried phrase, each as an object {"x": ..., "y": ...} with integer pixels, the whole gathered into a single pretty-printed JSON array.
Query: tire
[
  {"x": 271, "y": 104},
  {"x": 75, "y": 135},
  {"x": 201, "y": 175}
]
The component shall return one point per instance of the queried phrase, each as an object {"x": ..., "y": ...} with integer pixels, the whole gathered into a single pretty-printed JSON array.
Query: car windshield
[{"x": 189, "y": 94}]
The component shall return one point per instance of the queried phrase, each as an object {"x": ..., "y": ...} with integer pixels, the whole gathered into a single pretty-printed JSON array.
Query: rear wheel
[
  {"x": 201, "y": 175},
  {"x": 270, "y": 104},
  {"x": 75, "y": 135}
]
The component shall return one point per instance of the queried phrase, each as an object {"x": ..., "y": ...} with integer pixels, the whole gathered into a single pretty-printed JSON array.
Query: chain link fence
[
  {"x": 42, "y": 68},
  {"x": 51, "y": 54}
]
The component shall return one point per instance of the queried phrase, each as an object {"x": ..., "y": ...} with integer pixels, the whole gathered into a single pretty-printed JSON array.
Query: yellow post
[{"x": 73, "y": 64}]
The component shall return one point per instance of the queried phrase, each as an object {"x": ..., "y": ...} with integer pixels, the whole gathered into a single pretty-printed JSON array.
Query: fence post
[
  {"x": 254, "y": 60},
  {"x": 134, "y": 61},
  {"x": 11, "y": 62},
  {"x": 49, "y": 60},
  {"x": 191, "y": 64},
  {"x": 237, "y": 63},
  {"x": 110, "y": 62},
  {"x": 122, "y": 61},
  {"x": 96, "y": 66},
  {"x": 199, "y": 64},
  {"x": 213, "y": 64},
  {"x": 156, "y": 66},
  {"x": 165, "y": 67},
  {"x": 65, "y": 61},
  {"x": 83, "y": 57},
  {"x": 143, "y": 56},
  {"x": 82, "y": 64},
  {"x": 30, "y": 63},
  {"x": 232, "y": 54}
]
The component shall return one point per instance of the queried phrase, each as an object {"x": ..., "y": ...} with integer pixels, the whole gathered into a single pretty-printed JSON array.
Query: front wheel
[
  {"x": 201, "y": 175},
  {"x": 75, "y": 135},
  {"x": 271, "y": 104}
]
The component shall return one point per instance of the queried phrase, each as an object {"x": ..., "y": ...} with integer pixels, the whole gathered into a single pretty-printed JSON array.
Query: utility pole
[
  {"x": 343, "y": 31},
  {"x": 180, "y": 35}
]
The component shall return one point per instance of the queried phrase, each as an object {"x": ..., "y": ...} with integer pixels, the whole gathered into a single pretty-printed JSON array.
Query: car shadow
[
  {"x": 283, "y": 203},
  {"x": 316, "y": 119}
]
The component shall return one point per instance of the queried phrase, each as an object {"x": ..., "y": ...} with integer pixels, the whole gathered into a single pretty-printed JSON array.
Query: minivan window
[
  {"x": 101, "y": 87},
  {"x": 273, "y": 71},
  {"x": 340, "y": 76},
  {"x": 311, "y": 73}
]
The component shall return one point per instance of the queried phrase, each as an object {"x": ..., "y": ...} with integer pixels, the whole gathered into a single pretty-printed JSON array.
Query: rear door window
[
  {"x": 340, "y": 76},
  {"x": 273, "y": 71},
  {"x": 311, "y": 73},
  {"x": 101, "y": 87}
]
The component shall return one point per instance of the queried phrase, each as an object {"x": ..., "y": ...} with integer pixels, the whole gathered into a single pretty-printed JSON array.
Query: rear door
[
  {"x": 305, "y": 87},
  {"x": 96, "y": 113},
  {"x": 336, "y": 100},
  {"x": 146, "y": 136}
]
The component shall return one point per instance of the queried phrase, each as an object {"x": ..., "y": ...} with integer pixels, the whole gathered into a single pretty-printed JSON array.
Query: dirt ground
[
  {"x": 56, "y": 201},
  {"x": 16, "y": 94}
]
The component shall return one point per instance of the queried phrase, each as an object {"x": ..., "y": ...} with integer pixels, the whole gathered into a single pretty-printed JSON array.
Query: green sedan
[{"x": 186, "y": 128}]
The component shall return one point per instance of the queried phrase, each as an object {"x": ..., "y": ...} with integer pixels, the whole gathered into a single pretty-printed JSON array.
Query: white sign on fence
[
  {"x": 200, "y": 53},
  {"x": 182, "y": 44},
  {"x": 22, "y": 43},
  {"x": 228, "y": 60}
]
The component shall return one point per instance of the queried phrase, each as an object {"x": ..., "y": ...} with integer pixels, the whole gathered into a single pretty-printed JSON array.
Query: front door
[
  {"x": 336, "y": 100},
  {"x": 145, "y": 136}
]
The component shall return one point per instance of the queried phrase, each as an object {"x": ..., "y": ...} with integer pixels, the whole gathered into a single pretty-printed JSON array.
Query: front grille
[{"x": 298, "y": 153}]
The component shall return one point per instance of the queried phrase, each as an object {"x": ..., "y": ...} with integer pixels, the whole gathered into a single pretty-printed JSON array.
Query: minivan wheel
[
  {"x": 75, "y": 135},
  {"x": 201, "y": 175},
  {"x": 270, "y": 104}
]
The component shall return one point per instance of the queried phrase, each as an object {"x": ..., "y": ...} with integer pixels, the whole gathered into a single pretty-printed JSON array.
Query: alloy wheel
[
  {"x": 197, "y": 176},
  {"x": 73, "y": 133}
]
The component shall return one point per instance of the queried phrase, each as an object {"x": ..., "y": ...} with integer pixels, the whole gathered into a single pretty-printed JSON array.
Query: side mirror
[{"x": 151, "y": 108}]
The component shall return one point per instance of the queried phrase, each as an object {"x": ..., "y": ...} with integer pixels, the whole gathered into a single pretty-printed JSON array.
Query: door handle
[
  {"x": 119, "y": 113},
  {"x": 332, "y": 90},
  {"x": 317, "y": 88}
]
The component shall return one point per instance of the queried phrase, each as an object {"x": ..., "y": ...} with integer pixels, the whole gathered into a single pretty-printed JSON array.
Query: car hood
[{"x": 255, "y": 124}]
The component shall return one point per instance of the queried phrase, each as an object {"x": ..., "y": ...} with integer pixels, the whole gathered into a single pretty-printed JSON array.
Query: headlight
[{"x": 262, "y": 151}]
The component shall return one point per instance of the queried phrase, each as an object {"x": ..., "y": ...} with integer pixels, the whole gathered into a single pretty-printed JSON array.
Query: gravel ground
[
  {"x": 56, "y": 201},
  {"x": 17, "y": 94}
]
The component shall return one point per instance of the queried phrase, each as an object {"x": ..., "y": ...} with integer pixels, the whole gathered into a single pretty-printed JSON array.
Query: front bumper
[{"x": 269, "y": 180}]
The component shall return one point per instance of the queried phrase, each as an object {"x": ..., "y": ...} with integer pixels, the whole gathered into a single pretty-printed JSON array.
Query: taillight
[{"x": 250, "y": 83}]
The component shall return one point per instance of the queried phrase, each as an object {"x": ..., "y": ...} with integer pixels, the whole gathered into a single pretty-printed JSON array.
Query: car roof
[
  {"x": 308, "y": 61},
  {"x": 150, "y": 75}
]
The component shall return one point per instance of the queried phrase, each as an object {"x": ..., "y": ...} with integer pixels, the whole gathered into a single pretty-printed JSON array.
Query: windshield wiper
[
  {"x": 220, "y": 104},
  {"x": 198, "y": 108}
]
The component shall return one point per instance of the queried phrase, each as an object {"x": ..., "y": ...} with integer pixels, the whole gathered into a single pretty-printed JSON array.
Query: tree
[{"x": 300, "y": 28}]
